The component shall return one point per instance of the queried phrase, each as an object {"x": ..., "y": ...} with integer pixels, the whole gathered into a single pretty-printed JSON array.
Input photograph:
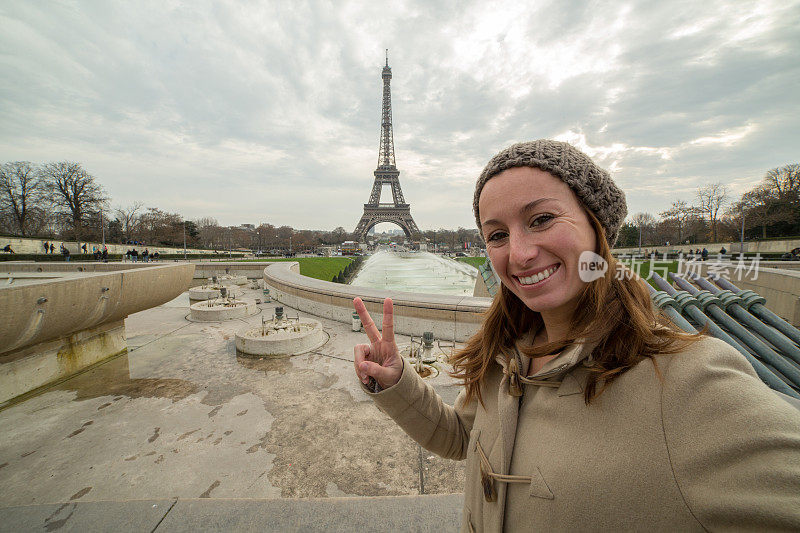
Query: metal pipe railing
[
  {"x": 754, "y": 303},
  {"x": 761, "y": 350},
  {"x": 670, "y": 308},
  {"x": 732, "y": 305},
  {"x": 689, "y": 306}
]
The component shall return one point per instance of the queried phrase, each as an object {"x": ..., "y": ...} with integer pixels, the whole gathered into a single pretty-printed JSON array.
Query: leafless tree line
[
  {"x": 56, "y": 198},
  {"x": 771, "y": 209},
  {"x": 62, "y": 200}
]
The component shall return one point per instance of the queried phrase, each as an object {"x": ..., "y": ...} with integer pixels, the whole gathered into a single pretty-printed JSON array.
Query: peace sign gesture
[{"x": 380, "y": 359}]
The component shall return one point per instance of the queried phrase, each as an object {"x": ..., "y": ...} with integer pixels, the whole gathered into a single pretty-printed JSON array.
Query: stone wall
[{"x": 764, "y": 247}]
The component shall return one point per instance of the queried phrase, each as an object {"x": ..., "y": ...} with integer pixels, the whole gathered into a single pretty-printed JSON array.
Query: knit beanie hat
[{"x": 591, "y": 184}]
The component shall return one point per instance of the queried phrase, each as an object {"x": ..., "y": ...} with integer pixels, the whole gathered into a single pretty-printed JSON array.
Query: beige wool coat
[{"x": 706, "y": 447}]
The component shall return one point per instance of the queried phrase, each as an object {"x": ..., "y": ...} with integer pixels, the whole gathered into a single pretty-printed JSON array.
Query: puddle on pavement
[
  {"x": 279, "y": 364},
  {"x": 113, "y": 379}
]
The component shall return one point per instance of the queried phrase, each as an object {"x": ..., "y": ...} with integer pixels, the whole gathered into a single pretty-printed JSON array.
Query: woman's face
[{"x": 535, "y": 230}]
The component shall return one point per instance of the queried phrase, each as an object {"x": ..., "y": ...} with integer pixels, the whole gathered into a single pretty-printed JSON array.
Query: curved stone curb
[{"x": 202, "y": 312}]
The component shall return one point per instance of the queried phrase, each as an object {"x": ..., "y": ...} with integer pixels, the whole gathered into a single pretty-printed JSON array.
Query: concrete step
[{"x": 438, "y": 513}]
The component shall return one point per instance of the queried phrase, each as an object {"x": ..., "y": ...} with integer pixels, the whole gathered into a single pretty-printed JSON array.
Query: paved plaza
[{"x": 184, "y": 433}]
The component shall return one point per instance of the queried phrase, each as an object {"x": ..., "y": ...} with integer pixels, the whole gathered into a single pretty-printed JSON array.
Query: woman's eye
[
  {"x": 497, "y": 235},
  {"x": 541, "y": 219}
]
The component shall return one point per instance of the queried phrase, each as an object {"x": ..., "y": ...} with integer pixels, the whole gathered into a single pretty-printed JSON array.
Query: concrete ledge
[
  {"x": 32, "y": 367},
  {"x": 449, "y": 317},
  {"x": 47, "y": 308},
  {"x": 208, "y": 269},
  {"x": 438, "y": 513},
  {"x": 141, "y": 515},
  {"x": 434, "y": 513},
  {"x": 55, "y": 324}
]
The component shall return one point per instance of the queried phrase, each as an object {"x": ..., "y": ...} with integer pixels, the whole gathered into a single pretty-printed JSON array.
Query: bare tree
[
  {"x": 21, "y": 193},
  {"x": 129, "y": 218},
  {"x": 680, "y": 213},
  {"x": 756, "y": 205},
  {"x": 645, "y": 222},
  {"x": 211, "y": 234},
  {"x": 159, "y": 227},
  {"x": 75, "y": 192},
  {"x": 783, "y": 179},
  {"x": 711, "y": 198}
]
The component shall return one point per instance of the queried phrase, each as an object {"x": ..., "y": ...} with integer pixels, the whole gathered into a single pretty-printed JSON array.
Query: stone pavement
[{"x": 217, "y": 440}]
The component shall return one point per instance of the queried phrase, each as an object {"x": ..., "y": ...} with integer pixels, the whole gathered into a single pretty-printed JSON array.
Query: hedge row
[{"x": 348, "y": 272}]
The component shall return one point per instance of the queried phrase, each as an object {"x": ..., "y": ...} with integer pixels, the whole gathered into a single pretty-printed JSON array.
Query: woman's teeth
[{"x": 536, "y": 278}]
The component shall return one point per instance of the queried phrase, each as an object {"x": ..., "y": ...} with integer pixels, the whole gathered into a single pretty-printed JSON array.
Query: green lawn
[
  {"x": 324, "y": 268},
  {"x": 474, "y": 261}
]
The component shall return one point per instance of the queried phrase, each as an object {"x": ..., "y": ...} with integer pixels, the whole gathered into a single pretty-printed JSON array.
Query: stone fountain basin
[
  {"x": 229, "y": 280},
  {"x": 222, "y": 310},
  {"x": 282, "y": 341},
  {"x": 207, "y": 292}
]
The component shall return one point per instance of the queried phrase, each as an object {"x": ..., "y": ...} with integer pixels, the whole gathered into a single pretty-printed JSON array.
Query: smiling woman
[{"x": 582, "y": 404}]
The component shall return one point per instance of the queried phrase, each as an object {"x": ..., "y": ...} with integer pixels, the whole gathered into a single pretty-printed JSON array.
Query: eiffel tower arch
[{"x": 398, "y": 211}]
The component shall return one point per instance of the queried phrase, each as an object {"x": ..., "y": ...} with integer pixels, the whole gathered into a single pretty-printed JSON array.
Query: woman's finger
[
  {"x": 361, "y": 353},
  {"x": 380, "y": 373},
  {"x": 369, "y": 325},
  {"x": 388, "y": 321}
]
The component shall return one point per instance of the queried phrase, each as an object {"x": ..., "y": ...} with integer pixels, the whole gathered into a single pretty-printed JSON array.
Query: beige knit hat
[{"x": 591, "y": 184}]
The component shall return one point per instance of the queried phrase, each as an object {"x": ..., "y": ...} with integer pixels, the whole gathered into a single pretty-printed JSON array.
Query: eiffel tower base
[{"x": 376, "y": 215}]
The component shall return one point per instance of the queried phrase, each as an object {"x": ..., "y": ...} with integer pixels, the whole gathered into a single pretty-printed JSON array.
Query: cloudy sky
[{"x": 264, "y": 111}]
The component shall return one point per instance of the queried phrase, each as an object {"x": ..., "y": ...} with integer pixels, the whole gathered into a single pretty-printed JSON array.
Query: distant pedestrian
[
  {"x": 105, "y": 254},
  {"x": 145, "y": 256},
  {"x": 723, "y": 251},
  {"x": 134, "y": 255},
  {"x": 84, "y": 248},
  {"x": 65, "y": 252},
  {"x": 8, "y": 249},
  {"x": 52, "y": 248},
  {"x": 46, "y": 246},
  {"x": 704, "y": 253}
]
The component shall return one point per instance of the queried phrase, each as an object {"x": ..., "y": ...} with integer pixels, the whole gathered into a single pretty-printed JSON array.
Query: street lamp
[
  {"x": 741, "y": 242},
  {"x": 640, "y": 239},
  {"x": 184, "y": 240}
]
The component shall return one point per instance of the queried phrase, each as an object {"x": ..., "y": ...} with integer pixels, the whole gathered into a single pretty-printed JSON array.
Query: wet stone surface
[{"x": 182, "y": 415}]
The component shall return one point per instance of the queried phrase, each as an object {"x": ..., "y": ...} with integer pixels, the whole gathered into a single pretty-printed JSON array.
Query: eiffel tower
[{"x": 397, "y": 212}]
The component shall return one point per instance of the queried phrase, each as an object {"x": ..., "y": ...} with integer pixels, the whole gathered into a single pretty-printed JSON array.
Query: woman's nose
[{"x": 522, "y": 249}]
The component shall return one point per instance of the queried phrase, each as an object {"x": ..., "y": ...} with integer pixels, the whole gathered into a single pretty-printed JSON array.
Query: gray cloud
[{"x": 270, "y": 112}]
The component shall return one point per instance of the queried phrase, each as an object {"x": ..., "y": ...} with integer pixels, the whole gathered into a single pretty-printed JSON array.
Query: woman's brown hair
[{"x": 614, "y": 313}]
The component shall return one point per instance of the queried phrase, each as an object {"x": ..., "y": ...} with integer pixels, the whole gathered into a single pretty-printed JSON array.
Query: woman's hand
[{"x": 380, "y": 359}]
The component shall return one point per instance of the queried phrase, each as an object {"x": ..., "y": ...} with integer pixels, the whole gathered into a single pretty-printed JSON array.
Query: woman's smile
[{"x": 536, "y": 278}]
